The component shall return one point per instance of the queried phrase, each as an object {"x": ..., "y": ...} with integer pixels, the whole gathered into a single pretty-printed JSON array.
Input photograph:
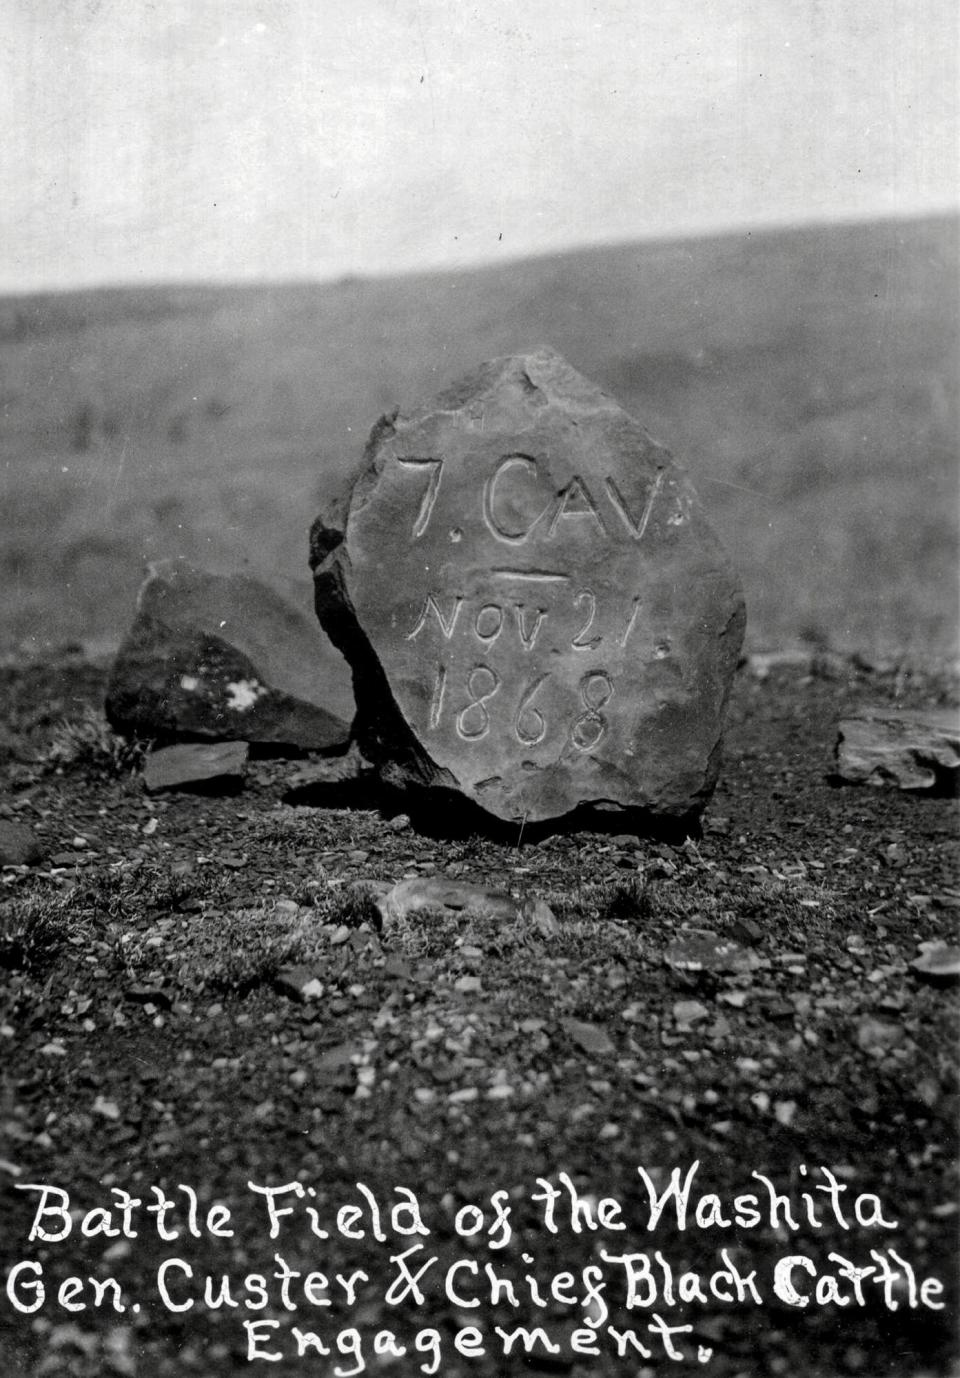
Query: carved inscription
[
  {"x": 473, "y": 721},
  {"x": 516, "y": 485},
  {"x": 636, "y": 527},
  {"x": 434, "y": 470},
  {"x": 596, "y": 691},
  {"x": 492, "y": 520},
  {"x": 586, "y": 599},
  {"x": 521, "y": 507},
  {"x": 630, "y": 623},
  {"x": 529, "y": 724},
  {"x": 528, "y": 633},
  {"x": 575, "y": 501},
  {"x": 467, "y": 700},
  {"x": 447, "y": 621},
  {"x": 490, "y": 620},
  {"x": 518, "y": 502},
  {"x": 436, "y": 703}
]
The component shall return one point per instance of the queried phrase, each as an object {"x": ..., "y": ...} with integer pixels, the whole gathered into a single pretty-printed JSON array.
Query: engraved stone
[{"x": 537, "y": 615}]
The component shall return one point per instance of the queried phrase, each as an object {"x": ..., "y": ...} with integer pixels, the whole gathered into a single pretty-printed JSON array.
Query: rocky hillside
[{"x": 808, "y": 378}]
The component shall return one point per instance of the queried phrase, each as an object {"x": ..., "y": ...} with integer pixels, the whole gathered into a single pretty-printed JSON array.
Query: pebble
[
  {"x": 689, "y": 1012},
  {"x": 464, "y": 1096}
]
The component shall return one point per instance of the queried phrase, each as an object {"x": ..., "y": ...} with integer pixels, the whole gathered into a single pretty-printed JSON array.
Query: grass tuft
[
  {"x": 232, "y": 952},
  {"x": 631, "y": 900},
  {"x": 87, "y": 744},
  {"x": 33, "y": 932}
]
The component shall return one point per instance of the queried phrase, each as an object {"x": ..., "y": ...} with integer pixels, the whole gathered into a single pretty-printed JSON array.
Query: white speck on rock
[
  {"x": 188, "y": 682},
  {"x": 243, "y": 694}
]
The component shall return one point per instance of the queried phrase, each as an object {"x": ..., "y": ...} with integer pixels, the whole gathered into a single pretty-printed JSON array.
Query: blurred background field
[{"x": 808, "y": 378}]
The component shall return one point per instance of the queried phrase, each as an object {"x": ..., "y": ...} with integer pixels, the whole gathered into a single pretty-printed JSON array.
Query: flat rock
[
  {"x": 436, "y": 892},
  {"x": 938, "y": 962},
  {"x": 906, "y": 749},
  {"x": 701, "y": 949},
  {"x": 537, "y": 615},
  {"x": 18, "y": 845},
  {"x": 228, "y": 657},
  {"x": 591, "y": 1038},
  {"x": 195, "y": 763}
]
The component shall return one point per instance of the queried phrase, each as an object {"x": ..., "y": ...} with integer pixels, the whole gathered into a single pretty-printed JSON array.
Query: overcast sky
[{"x": 149, "y": 140}]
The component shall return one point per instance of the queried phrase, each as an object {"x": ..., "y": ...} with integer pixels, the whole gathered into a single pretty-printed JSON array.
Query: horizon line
[{"x": 770, "y": 226}]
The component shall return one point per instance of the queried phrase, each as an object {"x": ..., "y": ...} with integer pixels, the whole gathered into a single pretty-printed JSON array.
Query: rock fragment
[
  {"x": 904, "y": 748},
  {"x": 459, "y": 897},
  {"x": 299, "y": 983},
  {"x": 454, "y": 896},
  {"x": 194, "y": 764},
  {"x": 689, "y": 1012},
  {"x": 701, "y": 949},
  {"x": 592, "y": 1039},
  {"x": 228, "y": 657},
  {"x": 18, "y": 845},
  {"x": 938, "y": 963},
  {"x": 344, "y": 769},
  {"x": 538, "y": 617}
]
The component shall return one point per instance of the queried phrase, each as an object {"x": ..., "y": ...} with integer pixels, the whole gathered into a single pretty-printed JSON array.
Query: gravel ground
[{"x": 156, "y": 1039}]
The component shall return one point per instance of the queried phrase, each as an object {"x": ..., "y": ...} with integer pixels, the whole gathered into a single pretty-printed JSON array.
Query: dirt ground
[{"x": 152, "y": 1043}]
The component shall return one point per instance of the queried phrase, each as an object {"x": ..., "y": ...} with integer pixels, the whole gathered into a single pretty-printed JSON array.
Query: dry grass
[{"x": 808, "y": 378}]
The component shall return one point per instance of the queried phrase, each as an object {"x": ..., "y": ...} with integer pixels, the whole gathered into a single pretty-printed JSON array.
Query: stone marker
[
  {"x": 911, "y": 750},
  {"x": 195, "y": 763},
  {"x": 537, "y": 615},
  {"x": 228, "y": 657}
]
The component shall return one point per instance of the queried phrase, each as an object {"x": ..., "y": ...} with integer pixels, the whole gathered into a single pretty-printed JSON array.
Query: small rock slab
[
  {"x": 435, "y": 892},
  {"x": 909, "y": 750},
  {"x": 592, "y": 1039},
  {"x": 18, "y": 846},
  {"x": 195, "y": 763},
  {"x": 395, "y": 902},
  {"x": 700, "y": 949},
  {"x": 228, "y": 657},
  {"x": 537, "y": 614},
  {"x": 938, "y": 962}
]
